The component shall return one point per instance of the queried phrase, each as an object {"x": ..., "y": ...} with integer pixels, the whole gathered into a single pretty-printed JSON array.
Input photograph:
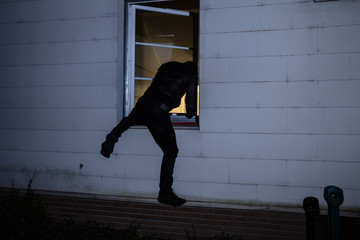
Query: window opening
[{"x": 155, "y": 36}]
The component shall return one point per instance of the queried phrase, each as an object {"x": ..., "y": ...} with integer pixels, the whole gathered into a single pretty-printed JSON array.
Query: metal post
[
  {"x": 311, "y": 207},
  {"x": 334, "y": 197}
]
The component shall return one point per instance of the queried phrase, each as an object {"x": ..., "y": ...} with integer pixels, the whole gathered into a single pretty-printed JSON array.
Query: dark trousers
[{"x": 148, "y": 112}]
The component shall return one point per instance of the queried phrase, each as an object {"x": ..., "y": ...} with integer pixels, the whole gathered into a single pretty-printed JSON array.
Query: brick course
[{"x": 164, "y": 221}]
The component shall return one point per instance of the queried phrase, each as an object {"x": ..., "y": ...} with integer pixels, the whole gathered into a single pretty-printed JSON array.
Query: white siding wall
[
  {"x": 58, "y": 71},
  {"x": 279, "y": 103}
]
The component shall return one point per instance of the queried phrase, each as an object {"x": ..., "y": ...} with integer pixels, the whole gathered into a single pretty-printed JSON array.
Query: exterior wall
[
  {"x": 58, "y": 91},
  {"x": 279, "y": 102},
  {"x": 280, "y": 98}
]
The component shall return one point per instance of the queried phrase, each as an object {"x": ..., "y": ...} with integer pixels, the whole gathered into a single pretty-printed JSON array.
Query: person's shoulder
[
  {"x": 174, "y": 66},
  {"x": 171, "y": 64}
]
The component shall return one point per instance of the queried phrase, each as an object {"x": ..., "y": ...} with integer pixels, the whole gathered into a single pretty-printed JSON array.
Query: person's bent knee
[{"x": 173, "y": 152}]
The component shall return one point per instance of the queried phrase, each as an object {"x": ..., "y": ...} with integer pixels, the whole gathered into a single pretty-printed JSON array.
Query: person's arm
[{"x": 191, "y": 98}]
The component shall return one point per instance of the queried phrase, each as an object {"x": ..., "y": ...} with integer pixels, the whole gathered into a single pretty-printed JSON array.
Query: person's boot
[
  {"x": 108, "y": 146},
  {"x": 170, "y": 199}
]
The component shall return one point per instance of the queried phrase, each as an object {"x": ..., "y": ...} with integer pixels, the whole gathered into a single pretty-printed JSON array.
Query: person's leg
[
  {"x": 164, "y": 135},
  {"x": 135, "y": 117},
  {"x": 108, "y": 146}
]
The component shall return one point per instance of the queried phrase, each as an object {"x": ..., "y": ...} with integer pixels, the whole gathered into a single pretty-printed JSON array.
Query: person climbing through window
[{"x": 171, "y": 82}]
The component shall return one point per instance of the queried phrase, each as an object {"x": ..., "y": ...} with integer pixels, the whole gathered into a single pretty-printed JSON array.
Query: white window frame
[{"x": 131, "y": 43}]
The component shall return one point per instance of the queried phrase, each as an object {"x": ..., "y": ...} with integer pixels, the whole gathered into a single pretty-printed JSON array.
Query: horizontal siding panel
[
  {"x": 266, "y": 43},
  {"x": 208, "y": 45},
  {"x": 189, "y": 189},
  {"x": 214, "y": 169},
  {"x": 140, "y": 188},
  {"x": 209, "y": 4},
  {"x": 339, "y": 93},
  {"x": 57, "y": 119},
  {"x": 237, "y": 44},
  {"x": 258, "y": 69},
  {"x": 281, "y": 120},
  {"x": 258, "y": 171},
  {"x": 247, "y": 18},
  {"x": 280, "y": 68},
  {"x": 189, "y": 169},
  {"x": 35, "y": 161},
  {"x": 55, "y": 162},
  {"x": 319, "y": 67},
  {"x": 308, "y": 8},
  {"x": 221, "y": 145},
  {"x": 288, "y": 146},
  {"x": 43, "y": 10},
  {"x": 143, "y": 167},
  {"x": 324, "y": 120},
  {"x": 250, "y": 69},
  {"x": 13, "y": 179},
  {"x": 287, "y": 42},
  {"x": 353, "y": 175},
  {"x": 137, "y": 141},
  {"x": 65, "y": 182},
  {"x": 52, "y": 141},
  {"x": 355, "y": 65},
  {"x": 59, "y": 31},
  {"x": 318, "y": 174},
  {"x": 194, "y": 169},
  {"x": 59, "y": 53},
  {"x": 189, "y": 142},
  {"x": 291, "y": 194},
  {"x": 306, "y": 14},
  {"x": 228, "y": 45},
  {"x": 243, "y": 120},
  {"x": 344, "y": 148},
  {"x": 232, "y": 193},
  {"x": 58, "y": 97},
  {"x": 272, "y": 94},
  {"x": 343, "y": 39},
  {"x": 281, "y": 94},
  {"x": 352, "y": 197},
  {"x": 59, "y": 75}
]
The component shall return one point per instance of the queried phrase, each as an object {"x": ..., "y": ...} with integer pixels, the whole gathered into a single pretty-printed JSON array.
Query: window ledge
[{"x": 176, "y": 127}]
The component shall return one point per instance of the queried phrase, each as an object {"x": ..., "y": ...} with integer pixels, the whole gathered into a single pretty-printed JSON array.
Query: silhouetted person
[{"x": 169, "y": 85}]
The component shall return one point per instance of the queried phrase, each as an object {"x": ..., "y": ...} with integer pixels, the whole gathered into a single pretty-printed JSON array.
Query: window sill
[
  {"x": 177, "y": 126},
  {"x": 187, "y": 126}
]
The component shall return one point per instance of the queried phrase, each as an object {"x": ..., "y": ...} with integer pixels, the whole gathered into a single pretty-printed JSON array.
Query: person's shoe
[
  {"x": 170, "y": 199},
  {"x": 108, "y": 146}
]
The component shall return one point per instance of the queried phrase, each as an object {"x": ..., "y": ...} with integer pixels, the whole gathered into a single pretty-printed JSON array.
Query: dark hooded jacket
[{"x": 171, "y": 82}]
